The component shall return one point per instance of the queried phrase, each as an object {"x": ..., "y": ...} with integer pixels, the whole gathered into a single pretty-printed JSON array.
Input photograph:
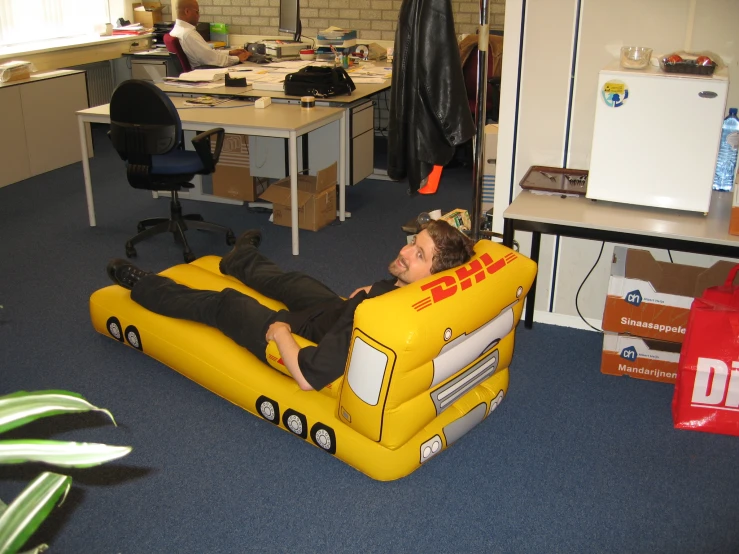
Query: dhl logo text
[{"x": 463, "y": 278}]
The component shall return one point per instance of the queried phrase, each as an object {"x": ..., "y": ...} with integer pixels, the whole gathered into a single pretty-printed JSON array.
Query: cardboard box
[
  {"x": 232, "y": 177},
  {"x": 650, "y": 359},
  {"x": 150, "y": 14},
  {"x": 652, "y": 299},
  {"x": 458, "y": 218},
  {"x": 491, "y": 162},
  {"x": 316, "y": 200}
]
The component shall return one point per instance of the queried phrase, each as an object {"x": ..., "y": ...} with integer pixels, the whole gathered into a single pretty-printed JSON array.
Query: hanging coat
[{"x": 429, "y": 112}]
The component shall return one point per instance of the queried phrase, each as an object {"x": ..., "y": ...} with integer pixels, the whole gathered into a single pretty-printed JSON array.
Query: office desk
[
  {"x": 358, "y": 124},
  {"x": 67, "y": 52},
  {"x": 622, "y": 223},
  {"x": 278, "y": 120}
]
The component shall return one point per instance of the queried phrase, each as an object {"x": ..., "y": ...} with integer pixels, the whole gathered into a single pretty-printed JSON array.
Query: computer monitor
[{"x": 290, "y": 18}]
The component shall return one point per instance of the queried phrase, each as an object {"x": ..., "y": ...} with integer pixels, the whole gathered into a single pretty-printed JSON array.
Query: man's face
[
  {"x": 192, "y": 14},
  {"x": 414, "y": 260}
]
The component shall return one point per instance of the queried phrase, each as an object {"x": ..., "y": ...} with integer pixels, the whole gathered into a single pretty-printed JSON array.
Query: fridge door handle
[{"x": 707, "y": 94}]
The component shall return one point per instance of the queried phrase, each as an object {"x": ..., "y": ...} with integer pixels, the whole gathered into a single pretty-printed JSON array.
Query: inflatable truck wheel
[
  {"x": 495, "y": 402},
  {"x": 296, "y": 423},
  {"x": 133, "y": 337},
  {"x": 268, "y": 409},
  {"x": 114, "y": 328},
  {"x": 324, "y": 437}
]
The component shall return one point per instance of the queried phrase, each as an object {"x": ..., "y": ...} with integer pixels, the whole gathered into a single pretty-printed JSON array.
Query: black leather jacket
[{"x": 429, "y": 111}]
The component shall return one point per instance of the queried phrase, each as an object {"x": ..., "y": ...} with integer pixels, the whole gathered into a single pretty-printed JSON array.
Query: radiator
[{"x": 99, "y": 82}]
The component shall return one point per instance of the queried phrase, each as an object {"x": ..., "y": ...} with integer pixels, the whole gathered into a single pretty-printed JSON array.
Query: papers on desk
[
  {"x": 133, "y": 29},
  {"x": 291, "y": 65},
  {"x": 203, "y": 75},
  {"x": 360, "y": 79},
  {"x": 266, "y": 80},
  {"x": 365, "y": 72},
  {"x": 194, "y": 84}
]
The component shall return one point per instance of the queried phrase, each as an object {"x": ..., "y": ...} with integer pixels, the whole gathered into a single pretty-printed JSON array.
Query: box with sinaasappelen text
[
  {"x": 649, "y": 359},
  {"x": 652, "y": 299}
]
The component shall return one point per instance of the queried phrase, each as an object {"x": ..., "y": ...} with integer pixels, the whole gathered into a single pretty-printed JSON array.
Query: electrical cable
[
  {"x": 577, "y": 296},
  {"x": 670, "y": 255}
]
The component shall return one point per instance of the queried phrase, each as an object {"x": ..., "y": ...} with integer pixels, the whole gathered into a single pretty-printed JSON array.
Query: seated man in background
[
  {"x": 315, "y": 311},
  {"x": 199, "y": 52}
]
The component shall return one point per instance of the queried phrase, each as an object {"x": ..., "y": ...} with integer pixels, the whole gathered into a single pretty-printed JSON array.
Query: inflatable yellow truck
[{"x": 428, "y": 361}]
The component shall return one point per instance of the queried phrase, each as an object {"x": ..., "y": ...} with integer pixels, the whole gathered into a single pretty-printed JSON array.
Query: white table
[
  {"x": 277, "y": 120},
  {"x": 580, "y": 217},
  {"x": 348, "y": 102}
]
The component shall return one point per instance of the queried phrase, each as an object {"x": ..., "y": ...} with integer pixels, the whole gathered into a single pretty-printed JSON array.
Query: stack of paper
[
  {"x": 134, "y": 29},
  {"x": 201, "y": 75},
  {"x": 338, "y": 37}
]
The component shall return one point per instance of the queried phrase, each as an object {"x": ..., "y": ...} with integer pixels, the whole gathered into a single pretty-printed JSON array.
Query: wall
[
  {"x": 374, "y": 19},
  {"x": 544, "y": 41}
]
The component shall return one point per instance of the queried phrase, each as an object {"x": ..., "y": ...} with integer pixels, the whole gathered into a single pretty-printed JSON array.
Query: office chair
[
  {"x": 174, "y": 48},
  {"x": 468, "y": 52},
  {"x": 146, "y": 131}
]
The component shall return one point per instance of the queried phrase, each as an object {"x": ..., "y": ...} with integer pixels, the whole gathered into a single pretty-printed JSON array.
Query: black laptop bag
[{"x": 321, "y": 82}]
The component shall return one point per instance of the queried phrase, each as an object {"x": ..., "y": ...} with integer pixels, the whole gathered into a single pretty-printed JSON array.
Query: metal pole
[{"x": 478, "y": 151}]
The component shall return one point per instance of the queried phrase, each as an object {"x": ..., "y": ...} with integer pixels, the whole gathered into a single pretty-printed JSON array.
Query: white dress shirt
[{"x": 197, "y": 50}]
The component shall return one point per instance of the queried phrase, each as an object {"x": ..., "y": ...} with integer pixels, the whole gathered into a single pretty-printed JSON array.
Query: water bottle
[{"x": 723, "y": 179}]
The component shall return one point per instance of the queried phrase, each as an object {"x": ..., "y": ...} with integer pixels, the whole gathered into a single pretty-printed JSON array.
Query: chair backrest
[
  {"x": 143, "y": 123},
  {"x": 468, "y": 51},
  {"x": 174, "y": 47}
]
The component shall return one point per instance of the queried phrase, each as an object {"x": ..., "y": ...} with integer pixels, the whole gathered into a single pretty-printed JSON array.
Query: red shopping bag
[{"x": 707, "y": 390}]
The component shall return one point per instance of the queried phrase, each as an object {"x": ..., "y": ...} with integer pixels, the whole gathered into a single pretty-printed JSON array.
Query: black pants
[{"x": 236, "y": 315}]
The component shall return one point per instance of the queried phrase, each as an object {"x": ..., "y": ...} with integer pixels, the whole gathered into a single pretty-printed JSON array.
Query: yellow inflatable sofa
[{"x": 428, "y": 361}]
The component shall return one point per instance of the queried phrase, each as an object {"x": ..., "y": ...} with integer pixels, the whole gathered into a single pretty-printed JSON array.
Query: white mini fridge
[{"x": 656, "y": 137}]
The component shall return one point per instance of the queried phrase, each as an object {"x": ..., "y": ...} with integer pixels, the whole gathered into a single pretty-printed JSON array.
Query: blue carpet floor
[{"x": 572, "y": 461}]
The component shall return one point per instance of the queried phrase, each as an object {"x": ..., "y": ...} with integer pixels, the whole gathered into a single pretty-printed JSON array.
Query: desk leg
[
  {"x": 508, "y": 232},
  {"x": 531, "y": 297},
  {"x": 86, "y": 171},
  {"x": 293, "y": 155},
  {"x": 343, "y": 166}
]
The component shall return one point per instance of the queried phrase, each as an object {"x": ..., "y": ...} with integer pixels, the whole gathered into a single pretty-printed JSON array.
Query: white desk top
[
  {"x": 34, "y": 48},
  {"x": 42, "y": 77},
  {"x": 275, "y": 120},
  {"x": 363, "y": 90},
  {"x": 610, "y": 216}
]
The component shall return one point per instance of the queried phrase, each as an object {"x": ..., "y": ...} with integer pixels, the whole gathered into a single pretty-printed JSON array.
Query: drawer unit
[
  {"x": 149, "y": 70},
  {"x": 362, "y": 157}
]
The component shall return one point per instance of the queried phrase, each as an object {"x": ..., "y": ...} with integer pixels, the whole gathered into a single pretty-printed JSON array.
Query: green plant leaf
[
  {"x": 68, "y": 454},
  {"x": 30, "y": 508},
  {"x": 23, "y": 407}
]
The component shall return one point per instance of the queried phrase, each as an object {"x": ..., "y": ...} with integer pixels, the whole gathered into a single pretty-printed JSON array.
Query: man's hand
[
  {"x": 276, "y": 328},
  {"x": 281, "y": 333},
  {"x": 242, "y": 54},
  {"x": 365, "y": 289}
]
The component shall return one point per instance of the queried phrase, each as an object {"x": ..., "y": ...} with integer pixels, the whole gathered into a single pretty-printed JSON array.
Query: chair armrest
[{"x": 201, "y": 142}]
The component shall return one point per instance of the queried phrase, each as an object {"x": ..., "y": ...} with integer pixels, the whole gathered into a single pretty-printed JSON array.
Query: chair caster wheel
[
  {"x": 189, "y": 257},
  {"x": 130, "y": 251},
  {"x": 230, "y": 238}
]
